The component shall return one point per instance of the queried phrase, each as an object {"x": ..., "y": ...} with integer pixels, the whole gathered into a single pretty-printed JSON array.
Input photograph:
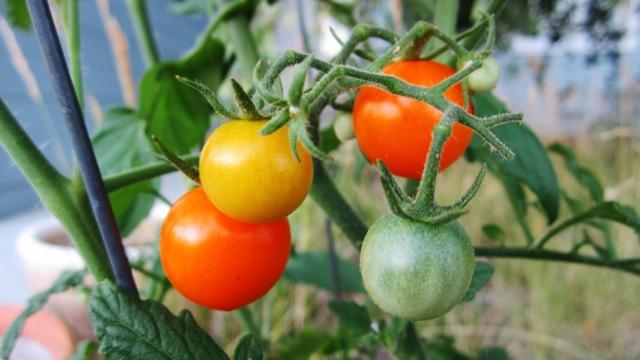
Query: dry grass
[{"x": 536, "y": 309}]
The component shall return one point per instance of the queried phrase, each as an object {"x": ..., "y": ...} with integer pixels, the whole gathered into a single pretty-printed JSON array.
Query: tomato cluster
[
  {"x": 225, "y": 244},
  {"x": 411, "y": 269}
]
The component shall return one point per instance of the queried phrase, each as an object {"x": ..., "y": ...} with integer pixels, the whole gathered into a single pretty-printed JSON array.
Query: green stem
[
  {"x": 535, "y": 254},
  {"x": 473, "y": 39},
  {"x": 327, "y": 196},
  {"x": 142, "y": 173},
  {"x": 425, "y": 197},
  {"x": 148, "y": 273},
  {"x": 57, "y": 193},
  {"x": 73, "y": 42},
  {"x": 246, "y": 316},
  {"x": 554, "y": 230},
  {"x": 144, "y": 33},
  {"x": 243, "y": 42}
]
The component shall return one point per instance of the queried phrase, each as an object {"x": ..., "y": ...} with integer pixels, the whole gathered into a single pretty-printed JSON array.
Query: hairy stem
[
  {"x": 426, "y": 189},
  {"x": 144, "y": 33},
  {"x": 327, "y": 196},
  {"x": 142, "y": 173},
  {"x": 56, "y": 194},
  {"x": 557, "y": 228},
  {"x": 535, "y": 254}
]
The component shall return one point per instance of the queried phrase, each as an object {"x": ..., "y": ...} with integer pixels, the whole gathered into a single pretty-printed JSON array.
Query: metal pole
[{"x": 61, "y": 81}]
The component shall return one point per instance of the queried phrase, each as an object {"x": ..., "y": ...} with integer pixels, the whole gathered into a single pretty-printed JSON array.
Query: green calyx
[{"x": 423, "y": 207}]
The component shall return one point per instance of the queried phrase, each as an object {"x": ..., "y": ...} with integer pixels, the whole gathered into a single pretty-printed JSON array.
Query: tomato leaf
[
  {"x": 493, "y": 232},
  {"x": 493, "y": 353},
  {"x": 446, "y": 15},
  {"x": 314, "y": 268},
  {"x": 481, "y": 276},
  {"x": 64, "y": 282},
  {"x": 409, "y": 344},
  {"x": 248, "y": 349},
  {"x": 531, "y": 167},
  {"x": 583, "y": 175},
  {"x": 84, "y": 350},
  {"x": 18, "y": 14},
  {"x": 302, "y": 345},
  {"x": 129, "y": 328},
  {"x": 353, "y": 316},
  {"x": 608, "y": 210},
  {"x": 178, "y": 116},
  {"x": 328, "y": 139},
  {"x": 120, "y": 144}
]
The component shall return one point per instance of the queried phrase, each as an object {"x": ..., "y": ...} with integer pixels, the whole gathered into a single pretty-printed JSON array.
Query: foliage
[
  {"x": 132, "y": 329},
  {"x": 177, "y": 118}
]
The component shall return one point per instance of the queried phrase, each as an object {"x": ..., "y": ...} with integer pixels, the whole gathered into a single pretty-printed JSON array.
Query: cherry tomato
[
  {"x": 486, "y": 77},
  {"x": 416, "y": 271},
  {"x": 216, "y": 261},
  {"x": 343, "y": 127},
  {"x": 253, "y": 177},
  {"x": 397, "y": 130}
]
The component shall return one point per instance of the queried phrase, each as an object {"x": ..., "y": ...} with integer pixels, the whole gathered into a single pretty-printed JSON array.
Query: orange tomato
[
  {"x": 253, "y": 177},
  {"x": 219, "y": 262},
  {"x": 397, "y": 129}
]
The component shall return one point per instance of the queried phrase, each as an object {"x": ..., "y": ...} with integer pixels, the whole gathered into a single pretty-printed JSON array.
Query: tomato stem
[
  {"x": 144, "y": 33},
  {"x": 56, "y": 193},
  {"x": 551, "y": 255},
  {"x": 425, "y": 196},
  {"x": 143, "y": 172},
  {"x": 72, "y": 32}
]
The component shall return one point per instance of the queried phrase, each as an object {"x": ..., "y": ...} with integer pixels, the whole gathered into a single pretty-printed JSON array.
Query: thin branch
[
  {"x": 144, "y": 33},
  {"x": 142, "y": 173},
  {"x": 549, "y": 255}
]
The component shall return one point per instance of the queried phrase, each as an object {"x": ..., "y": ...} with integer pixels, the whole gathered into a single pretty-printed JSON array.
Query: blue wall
[{"x": 174, "y": 35}]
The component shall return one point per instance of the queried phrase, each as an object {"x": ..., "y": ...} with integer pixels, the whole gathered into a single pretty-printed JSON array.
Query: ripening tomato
[
  {"x": 216, "y": 261},
  {"x": 253, "y": 177},
  {"x": 486, "y": 78},
  {"x": 414, "y": 270},
  {"x": 397, "y": 130}
]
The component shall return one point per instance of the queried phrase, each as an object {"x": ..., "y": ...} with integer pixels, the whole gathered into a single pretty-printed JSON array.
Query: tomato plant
[
  {"x": 397, "y": 130},
  {"x": 343, "y": 127},
  {"x": 416, "y": 271},
  {"x": 226, "y": 243},
  {"x": 219, "y": 262},
  {"x": 253, "y": 177}
]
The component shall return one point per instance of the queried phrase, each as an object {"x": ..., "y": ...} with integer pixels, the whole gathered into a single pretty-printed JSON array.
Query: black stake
[{"x": 52, "y": 51}]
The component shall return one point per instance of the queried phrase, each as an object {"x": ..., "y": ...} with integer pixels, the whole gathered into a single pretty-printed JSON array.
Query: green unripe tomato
[
  {"x": 486, "y": 77},
  {"x": 343, "y": 127},
  {"x": 414, "y": 270}
]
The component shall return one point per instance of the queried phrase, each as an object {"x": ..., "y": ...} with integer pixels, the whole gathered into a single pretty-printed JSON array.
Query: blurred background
[{"x": 571, "y": 66}]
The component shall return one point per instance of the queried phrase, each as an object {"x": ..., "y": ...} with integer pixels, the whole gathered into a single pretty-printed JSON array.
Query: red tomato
[
  {"x": 397, "y": 130},
  {"x": 219, "y": 262}
]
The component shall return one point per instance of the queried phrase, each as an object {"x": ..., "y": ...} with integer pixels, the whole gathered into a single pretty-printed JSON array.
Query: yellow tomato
[{"x": 252, "y": 177}]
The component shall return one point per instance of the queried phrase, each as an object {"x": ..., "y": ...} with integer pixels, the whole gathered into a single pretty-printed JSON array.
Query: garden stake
[{"x": 61, "y": 81}]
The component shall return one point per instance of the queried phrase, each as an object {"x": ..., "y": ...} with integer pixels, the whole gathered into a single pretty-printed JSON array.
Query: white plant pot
[{"x": 46, "y": 251}]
